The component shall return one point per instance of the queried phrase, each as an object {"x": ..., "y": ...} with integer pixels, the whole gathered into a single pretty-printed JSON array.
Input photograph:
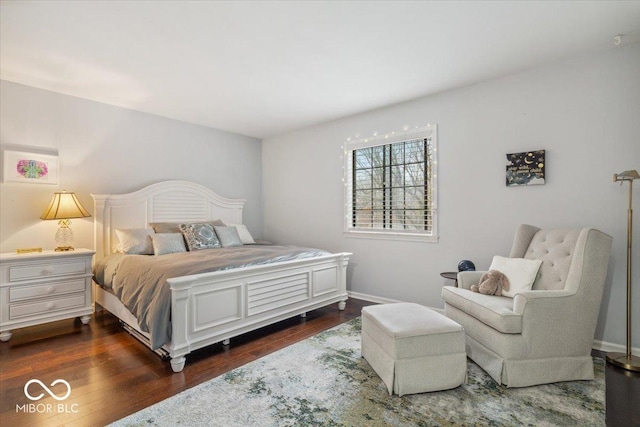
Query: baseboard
[
  {"x": 609, "y": 347},
  {"x": 383, "y": 300},
  {"x": 597, "y": 344},
  {"x": 371, "y": 298}
]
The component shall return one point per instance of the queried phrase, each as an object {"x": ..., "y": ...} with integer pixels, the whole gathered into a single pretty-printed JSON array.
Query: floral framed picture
[{"x": 30, "y": 167}]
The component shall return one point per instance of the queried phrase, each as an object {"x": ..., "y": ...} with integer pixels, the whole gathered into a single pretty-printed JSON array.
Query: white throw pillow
[
  {"x": 135, "y": 241},
  {"x": 520, "y": 272},
  {"x": 244, "y": 234}
]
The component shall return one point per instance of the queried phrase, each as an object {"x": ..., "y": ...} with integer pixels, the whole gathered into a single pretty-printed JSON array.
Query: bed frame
[{"x": 214, "y": 307}]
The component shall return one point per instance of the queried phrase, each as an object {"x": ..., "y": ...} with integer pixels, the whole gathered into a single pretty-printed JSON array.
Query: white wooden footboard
[{"x": 213, "y": 307}]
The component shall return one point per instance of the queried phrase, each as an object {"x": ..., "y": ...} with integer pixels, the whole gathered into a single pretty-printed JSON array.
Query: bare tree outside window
[{"x": 391, "y": 186}]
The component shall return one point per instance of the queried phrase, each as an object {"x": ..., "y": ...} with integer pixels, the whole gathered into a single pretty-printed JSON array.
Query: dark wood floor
[{"x": 112, "y": 375}]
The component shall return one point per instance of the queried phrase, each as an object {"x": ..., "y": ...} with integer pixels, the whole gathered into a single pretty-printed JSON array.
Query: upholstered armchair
[{"x": 545, "y": 334}]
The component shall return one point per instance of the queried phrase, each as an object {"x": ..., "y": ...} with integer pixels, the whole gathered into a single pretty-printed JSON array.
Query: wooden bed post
[
  {"x": 98, "y": 226},
  {"x": 344, "y": 261},
  {"x": 179, "y": 343}
]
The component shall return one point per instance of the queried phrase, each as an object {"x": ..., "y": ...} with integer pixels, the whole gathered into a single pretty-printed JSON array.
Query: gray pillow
[
  {"x": 199, "y": 235},
  {"x": 244, "y": 234},
  {"x": 168, "y": 243},
  {"x": 228, "y": 236}
]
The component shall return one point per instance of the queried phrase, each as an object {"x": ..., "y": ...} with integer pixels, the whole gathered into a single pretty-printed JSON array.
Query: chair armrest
[
  {"x": 524, "y": 297},
  {"x": 534, "y": 303},
  {"x": 555, "y": 323},
  {"x": 466, "y": 279}
]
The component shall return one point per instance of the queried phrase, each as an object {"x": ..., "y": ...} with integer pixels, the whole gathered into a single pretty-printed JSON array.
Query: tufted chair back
[{"x": 557, "y": 249}]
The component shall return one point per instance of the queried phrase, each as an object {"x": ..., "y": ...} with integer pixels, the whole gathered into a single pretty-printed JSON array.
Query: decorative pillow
[
  {"x": 174, "y": 227},
  {"x": 228, "y": 236},
  {"x": 199, "y": 235},
  {"x": 135, "y": 241},
  {"x": 168, "y": 243},
  {"x": 166, "y": 227},
  {"x": 520, "y": 272},
  {"x": 244, "y": 234}
]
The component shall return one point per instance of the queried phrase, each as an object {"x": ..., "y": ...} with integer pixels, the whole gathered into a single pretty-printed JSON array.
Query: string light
[{"x": 375, "y": 135}]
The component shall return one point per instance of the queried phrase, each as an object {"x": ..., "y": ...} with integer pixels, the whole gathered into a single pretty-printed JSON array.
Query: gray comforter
[{"x": 140, "y": 281}]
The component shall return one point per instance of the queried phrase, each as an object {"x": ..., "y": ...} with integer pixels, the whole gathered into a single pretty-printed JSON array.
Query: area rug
[{"x": 323, "y": 381}]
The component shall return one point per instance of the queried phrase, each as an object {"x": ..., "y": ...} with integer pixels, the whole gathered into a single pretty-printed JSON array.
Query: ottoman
[{"x": 413, "y": 348}]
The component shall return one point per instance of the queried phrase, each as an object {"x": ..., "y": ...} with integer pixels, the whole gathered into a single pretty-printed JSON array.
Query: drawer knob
[
  {"x": 50, "y": 289},
  {"x": 50, "y": 306},
  {"x": 47, "y": 271}
]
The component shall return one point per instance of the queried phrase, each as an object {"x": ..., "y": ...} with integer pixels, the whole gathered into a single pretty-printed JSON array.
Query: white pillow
[
  {"x": 135, "y": 241},
  {"x": 520, "y": 272},
  {"x": 244, "y": 234}
]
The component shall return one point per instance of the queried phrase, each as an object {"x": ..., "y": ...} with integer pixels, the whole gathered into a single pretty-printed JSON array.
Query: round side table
[{"x": 451, "y": 275}]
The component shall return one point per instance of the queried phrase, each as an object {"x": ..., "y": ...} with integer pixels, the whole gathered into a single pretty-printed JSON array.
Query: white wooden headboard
[{"x": 167, "y": 201}]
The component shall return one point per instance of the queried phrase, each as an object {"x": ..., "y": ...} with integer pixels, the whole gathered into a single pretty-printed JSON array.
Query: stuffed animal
[{"x": 492, "y": 283}]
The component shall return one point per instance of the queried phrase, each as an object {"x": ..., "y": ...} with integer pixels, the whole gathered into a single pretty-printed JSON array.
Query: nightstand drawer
[
  {"x": 40, "y": 270},
  {"x": 55, "y": 288},
  {"x": 28, "y": 309}
]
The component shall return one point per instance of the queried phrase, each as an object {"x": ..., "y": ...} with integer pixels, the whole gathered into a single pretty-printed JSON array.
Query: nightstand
[{"x": 42, "y": 287}]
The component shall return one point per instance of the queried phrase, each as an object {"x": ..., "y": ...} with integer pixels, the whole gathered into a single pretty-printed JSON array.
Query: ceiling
[{"x": 265, "y": 68}]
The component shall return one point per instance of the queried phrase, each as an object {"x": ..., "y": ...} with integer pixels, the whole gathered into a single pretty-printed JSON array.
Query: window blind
[{"x": 390, "y": 183}]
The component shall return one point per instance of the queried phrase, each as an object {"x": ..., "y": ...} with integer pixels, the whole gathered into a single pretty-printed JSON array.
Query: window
[{"x": 390, "y": 186}]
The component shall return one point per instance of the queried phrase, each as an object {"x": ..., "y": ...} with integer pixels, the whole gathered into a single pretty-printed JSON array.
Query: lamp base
[
  {"x": 621, "y": 360},
  {"x": 64, "y": 248}
]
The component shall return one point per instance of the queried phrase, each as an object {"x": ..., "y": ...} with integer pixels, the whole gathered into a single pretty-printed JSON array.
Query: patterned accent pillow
[
  {"x": 200, "y": 235},
  {"x": 228, "y": 236},
  {"x": 168, "y": 243},
  {"x": 135, "y": 241}
]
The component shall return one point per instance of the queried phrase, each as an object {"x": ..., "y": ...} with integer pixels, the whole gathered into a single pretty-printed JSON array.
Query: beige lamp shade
[{"x": 63, "y": 207}]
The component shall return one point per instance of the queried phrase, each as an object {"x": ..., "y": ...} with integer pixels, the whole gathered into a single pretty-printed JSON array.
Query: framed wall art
[
  {"x": 527, "y": 168},
  {"x": 30, "y": 167}
]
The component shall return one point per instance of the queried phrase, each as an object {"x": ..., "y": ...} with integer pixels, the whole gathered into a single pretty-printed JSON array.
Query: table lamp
[{"x": 63, "y": 207}]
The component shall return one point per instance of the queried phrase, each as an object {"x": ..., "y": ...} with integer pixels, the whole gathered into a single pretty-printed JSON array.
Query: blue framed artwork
[{"x": 527, "y": 168}]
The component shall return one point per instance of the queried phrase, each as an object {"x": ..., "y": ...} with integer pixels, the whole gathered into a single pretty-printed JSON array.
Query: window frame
[{"x": 429, "y": 131}]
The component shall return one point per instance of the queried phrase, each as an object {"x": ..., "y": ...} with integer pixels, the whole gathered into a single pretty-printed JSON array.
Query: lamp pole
[{"x": 627, "y": 360}]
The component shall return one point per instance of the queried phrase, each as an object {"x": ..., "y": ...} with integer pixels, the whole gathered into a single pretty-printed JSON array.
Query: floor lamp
[{"x": 627, "y": 360}]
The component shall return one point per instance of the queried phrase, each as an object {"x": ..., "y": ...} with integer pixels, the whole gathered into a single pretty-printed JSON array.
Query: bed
[{"x": 211, "y": 307}]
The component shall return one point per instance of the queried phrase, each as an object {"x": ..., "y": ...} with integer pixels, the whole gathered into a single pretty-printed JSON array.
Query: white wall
[
  {"x": 585, "y": 113},
  {"x": 106, "y": 149}
]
